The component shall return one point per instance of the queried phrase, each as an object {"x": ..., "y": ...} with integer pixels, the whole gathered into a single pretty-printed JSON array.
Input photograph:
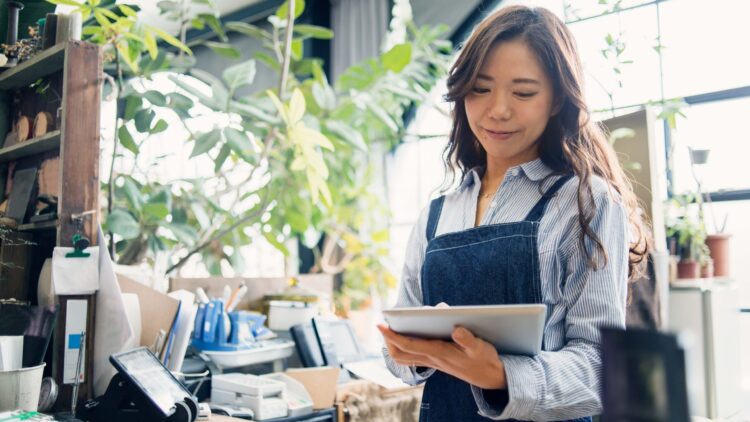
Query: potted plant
[{"x": 687, "y": 239}]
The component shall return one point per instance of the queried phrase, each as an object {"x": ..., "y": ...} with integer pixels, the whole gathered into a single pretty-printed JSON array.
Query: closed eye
[
  {"x": 479, "y": 90},
  {"x": 525, "y": 94}
]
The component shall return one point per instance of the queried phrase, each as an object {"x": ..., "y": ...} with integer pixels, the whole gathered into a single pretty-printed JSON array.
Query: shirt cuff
[
  {"x": 411, "y": 375},
  {"x": 524, "y": 383}
]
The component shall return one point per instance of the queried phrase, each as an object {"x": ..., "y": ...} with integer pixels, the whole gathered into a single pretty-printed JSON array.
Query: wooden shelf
[
  {"x": 45, "y": 63},
  {"x": 44, "y": 225},
  {"x": 48, "y": 142}
]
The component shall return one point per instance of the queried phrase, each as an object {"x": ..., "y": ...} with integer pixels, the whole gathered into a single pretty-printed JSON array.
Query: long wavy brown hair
[{"x": 571, "y": 142}]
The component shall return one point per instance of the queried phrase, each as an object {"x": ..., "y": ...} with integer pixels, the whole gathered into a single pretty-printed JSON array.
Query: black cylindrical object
[
  {"x": 14, "y": 9},
  {"x": 50, "y": 30}
]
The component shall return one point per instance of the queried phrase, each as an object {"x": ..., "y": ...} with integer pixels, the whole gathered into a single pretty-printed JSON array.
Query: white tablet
[{"x": 513, "y": 329}]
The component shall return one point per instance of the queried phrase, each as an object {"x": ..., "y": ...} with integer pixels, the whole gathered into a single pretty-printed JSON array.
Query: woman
[{"x": 543, "y": 214}]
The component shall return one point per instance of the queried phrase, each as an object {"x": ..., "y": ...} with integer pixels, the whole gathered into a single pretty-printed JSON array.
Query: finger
[
  {"x": 406, "y": 343},
  {"x": 465, "y": 339}
]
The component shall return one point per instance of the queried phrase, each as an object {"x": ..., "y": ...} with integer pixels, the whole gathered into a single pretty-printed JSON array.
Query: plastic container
[{"x": 20, "y": 388}]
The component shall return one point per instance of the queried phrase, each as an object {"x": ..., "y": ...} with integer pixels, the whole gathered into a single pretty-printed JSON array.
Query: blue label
[{"x": 74, "y": 341}]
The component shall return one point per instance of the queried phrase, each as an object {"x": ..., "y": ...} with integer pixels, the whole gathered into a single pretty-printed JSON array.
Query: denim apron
[{"x": 486, "y": 265}]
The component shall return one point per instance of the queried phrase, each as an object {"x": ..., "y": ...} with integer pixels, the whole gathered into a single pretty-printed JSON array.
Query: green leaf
[
  {"x": 156, "y": 98},
  {"x": 200, "y": 214},
  {"x": 397, "y": 57},
  {"x": 132, "y": 193},
  {"x": 183, "y": 232},
  {"x": 150, "y": 42},
  {"x": 383, "y": 116},
  {"x": 271, "y": 238},
  {"x": 249, "y": 110},
  {"x": 324, "y": 95},
  {"x": 215, "y": 25},
  {"x": 222, "y": 157},
  {"x": 296, "y": 221},
  {"x": 127, "y": 10},
  {"x": 223, "y": 49},
  {"x": 178, "y": 100},
  {"x": 159, "y": 127},
  {"x": 122, "y": 223},
  {"x": 169, "y": 39},
  {"x": 143, "y": 120},
  {"x": 314, "y": 31},
  {"x": 381, "y": 236},
  {"x": 66, "y": 2},
  {"x": 283, "y": 11},
  {"x": 238, "y": 141},
  {"x": 239, "y": 75},
  {"x": 133, "y": 104},
  {"x": 198, "y": 23},
  {"x": 101, "y": 19},
  {"x": 347, "y": 133},
  {"x": 205, "y": 141},
  {"x": 126, "y": 139},
  {"x": 268, "y": 60},
  {"x": 297, "y": 49},
  {"x": 155, "y": 244},
  {"x": 249, "y": 30},
  {"x": 157, "y": 211}
]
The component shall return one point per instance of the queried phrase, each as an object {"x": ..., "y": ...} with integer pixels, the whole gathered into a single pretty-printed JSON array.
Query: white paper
[
  {"x": 11, "y": 353},
  {"x": 183, "y": 326},
  {"x": 75, "y": 276},
  {"x": 75, "y": 324},
  {"x": 375, "y": 371},
  {"x": 114, "y": 332}
]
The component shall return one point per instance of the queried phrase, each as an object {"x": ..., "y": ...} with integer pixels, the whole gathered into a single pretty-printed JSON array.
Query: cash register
[{"x": 142, "y": 390}]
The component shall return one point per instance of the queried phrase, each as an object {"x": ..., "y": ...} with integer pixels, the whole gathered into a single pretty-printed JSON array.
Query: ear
[{"x": 557, "y": 106}]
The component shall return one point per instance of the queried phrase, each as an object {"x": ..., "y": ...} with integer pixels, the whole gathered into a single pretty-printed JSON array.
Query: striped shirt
[{"x": 562, "y": 382}]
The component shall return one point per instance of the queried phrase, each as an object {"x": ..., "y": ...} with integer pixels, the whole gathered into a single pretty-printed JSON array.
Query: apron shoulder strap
[
  {"x": 537, "y": 212},
  {"x": 436, "y": 207}
]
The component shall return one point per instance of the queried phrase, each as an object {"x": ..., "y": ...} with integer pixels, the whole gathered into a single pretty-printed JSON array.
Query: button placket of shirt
[{"x": 492, "y": 208}]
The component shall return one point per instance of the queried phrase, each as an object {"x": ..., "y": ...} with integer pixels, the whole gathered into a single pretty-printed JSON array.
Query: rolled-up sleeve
[
  {"x": 410, "y": 294},
  {"x": 565, "y": 384}
]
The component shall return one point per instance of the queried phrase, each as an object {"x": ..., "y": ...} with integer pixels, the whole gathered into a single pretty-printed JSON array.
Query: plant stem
[
  {"x": 110, "y": 182},
  {"x": 287, "y": 49},
  {"x": 241, "y": 221}
]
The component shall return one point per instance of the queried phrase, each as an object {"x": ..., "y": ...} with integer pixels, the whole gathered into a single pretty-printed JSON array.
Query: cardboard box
[
  {"x": 320, "y": 382},
  {"x": 158, "y": 311}
]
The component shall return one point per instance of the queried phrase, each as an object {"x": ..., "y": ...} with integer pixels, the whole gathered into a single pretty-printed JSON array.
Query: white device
[
  {"x": 515, "y": 329},
  {"x": 298, "y": 400},
  {"x": 264, "y": 396}
]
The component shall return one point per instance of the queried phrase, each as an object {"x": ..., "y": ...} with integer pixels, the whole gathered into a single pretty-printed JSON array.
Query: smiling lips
[{"x": 498, "y": 135}]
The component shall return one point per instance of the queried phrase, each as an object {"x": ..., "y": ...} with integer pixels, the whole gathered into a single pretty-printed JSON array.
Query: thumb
[{"x": 464, "y": 338}]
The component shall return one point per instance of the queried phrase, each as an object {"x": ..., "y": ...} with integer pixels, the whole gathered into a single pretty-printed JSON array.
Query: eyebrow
[{"x": 482, "y": 76}]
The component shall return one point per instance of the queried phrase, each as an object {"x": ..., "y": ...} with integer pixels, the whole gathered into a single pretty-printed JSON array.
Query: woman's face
[{"x": 510, "y": 104}]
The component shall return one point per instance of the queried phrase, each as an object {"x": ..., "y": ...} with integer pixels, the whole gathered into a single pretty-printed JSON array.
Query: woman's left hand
[{"x": 467, "y": 357}]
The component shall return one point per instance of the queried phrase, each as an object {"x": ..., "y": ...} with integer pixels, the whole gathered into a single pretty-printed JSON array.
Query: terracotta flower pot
[
  {"x": 718, "y": 244},
  {"x": 688, "y": 269}
]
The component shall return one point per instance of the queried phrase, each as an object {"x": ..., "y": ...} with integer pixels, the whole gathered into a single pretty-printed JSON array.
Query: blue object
[
  {"x": 74, "y": 341},
  {"x": 210, "y": 332},
  {"x": 485, "y": 265}
]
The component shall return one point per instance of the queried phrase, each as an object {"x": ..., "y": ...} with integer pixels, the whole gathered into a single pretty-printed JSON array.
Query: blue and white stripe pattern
[{"x": 564, "y": 380}]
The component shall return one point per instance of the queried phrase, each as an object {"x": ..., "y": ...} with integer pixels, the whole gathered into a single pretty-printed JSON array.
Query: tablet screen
[{"x": 142, "y": 367}]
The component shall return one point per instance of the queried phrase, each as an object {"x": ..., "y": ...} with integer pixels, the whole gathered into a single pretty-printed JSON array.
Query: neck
[{"x": 495, "y": 170}]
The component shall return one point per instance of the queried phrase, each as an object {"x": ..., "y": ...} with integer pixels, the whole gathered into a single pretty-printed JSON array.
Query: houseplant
[
  {"x": 292, "y": 162},
  {"x": 686, "y": 236}
]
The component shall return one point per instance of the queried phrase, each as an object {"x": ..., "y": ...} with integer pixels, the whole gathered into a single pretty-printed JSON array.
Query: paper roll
[
  {"x": 45, "y": 289},
  {"x": 133, "y": 311}
]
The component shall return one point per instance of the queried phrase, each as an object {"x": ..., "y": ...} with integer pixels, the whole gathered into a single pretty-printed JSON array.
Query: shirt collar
[{"x": 534, "y": 170}]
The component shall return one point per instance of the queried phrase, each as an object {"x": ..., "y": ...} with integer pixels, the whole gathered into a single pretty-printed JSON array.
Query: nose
[{"x": 500, "y": 108}]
